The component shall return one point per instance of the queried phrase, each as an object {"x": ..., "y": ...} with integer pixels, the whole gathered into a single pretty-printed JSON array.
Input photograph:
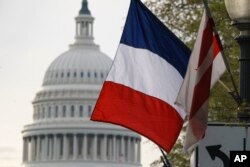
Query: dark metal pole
[
  {"x": 244, "y": 42},
  {"x": 165, "y": 159}
]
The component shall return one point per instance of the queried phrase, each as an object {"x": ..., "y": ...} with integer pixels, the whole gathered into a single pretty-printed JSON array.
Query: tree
[{"x": 183, "y": 18}]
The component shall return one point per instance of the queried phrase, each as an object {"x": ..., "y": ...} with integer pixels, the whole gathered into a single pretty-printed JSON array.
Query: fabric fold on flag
[
  {"x": 142, "y": 85},
  {"x": 205, "y": 67}
]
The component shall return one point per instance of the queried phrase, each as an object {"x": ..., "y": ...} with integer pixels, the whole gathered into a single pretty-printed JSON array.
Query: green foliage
[{"x": 183, "y": 18}]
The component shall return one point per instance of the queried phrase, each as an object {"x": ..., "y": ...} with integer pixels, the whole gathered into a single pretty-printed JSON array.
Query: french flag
[{"x": 142, "y": 85}]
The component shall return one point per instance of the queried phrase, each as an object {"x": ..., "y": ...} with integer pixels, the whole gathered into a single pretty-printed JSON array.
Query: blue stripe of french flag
[{"x": 142, "y": 85}]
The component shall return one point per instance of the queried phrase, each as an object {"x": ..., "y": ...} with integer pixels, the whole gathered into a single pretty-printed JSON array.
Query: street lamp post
[{"x": 239, "y": 12}]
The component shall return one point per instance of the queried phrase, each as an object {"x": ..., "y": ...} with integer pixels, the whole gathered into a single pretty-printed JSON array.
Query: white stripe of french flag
[{"x": 142, "y": 85}]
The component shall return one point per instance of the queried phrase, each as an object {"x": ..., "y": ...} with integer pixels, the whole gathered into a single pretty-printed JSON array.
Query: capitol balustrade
[{"x": 53, "y": 147}]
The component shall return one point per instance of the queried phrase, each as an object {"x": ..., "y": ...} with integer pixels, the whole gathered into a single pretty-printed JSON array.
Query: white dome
[
  {"x": 80, "y": 64},
  {"x": 61, "y": 133}
]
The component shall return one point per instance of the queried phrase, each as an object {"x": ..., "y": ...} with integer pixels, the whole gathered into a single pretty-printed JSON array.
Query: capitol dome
[
  {"x": 81, "y": 64},
  {"x": 61, "y": 133}
]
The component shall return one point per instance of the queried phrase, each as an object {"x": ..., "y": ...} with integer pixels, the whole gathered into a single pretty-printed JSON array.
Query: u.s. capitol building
[{"x": 61, "y": 134}]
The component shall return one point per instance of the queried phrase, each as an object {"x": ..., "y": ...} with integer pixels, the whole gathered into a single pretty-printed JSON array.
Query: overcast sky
[{"x": 32, "y": 34}]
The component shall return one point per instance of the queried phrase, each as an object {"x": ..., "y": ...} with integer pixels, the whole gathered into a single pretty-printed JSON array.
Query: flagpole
[
  {"x": 236, "y": 94},
  {"x": 165, "y": 159}
]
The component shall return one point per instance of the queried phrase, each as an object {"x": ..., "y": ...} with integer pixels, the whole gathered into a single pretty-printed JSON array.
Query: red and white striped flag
[{"x": 205, "y": 67}]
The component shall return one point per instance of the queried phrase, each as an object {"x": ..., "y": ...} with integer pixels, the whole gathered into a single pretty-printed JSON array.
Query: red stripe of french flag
[
  {"x": 205, "y": 67},
  {"x": 136, "y": 95},
  {"x": 139, "y": 112}
]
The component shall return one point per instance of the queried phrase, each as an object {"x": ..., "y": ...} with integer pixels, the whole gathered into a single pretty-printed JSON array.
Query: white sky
[{"x": 32, "y": 34}]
